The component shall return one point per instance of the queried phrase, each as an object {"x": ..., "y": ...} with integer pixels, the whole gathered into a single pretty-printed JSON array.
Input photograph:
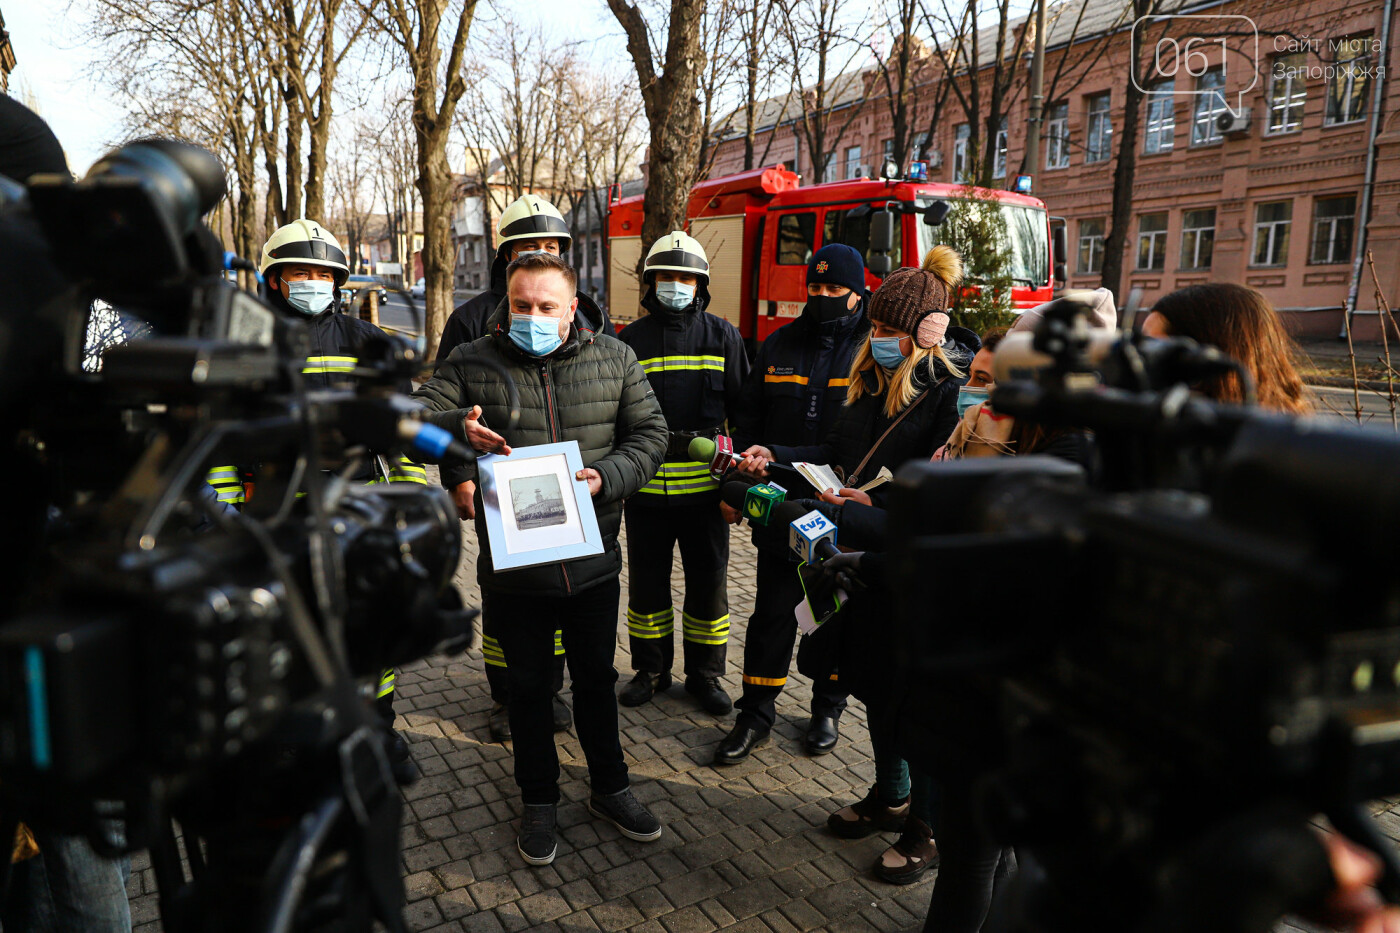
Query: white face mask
[{"x": 310, "y": 297}]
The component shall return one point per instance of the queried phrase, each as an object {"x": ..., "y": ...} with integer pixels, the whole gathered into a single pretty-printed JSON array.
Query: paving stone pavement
[{"x": 745, "y": 848}]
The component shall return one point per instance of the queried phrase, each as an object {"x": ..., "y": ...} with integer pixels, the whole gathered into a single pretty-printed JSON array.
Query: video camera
[
  {"x": 166, "y": 660},
  {"x": 1157, "y": 675}
]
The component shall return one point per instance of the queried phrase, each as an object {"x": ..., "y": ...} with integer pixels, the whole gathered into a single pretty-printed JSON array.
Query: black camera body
[
  {"x": 166, "y": 658},
  {"x": 1209, "y": 629}
]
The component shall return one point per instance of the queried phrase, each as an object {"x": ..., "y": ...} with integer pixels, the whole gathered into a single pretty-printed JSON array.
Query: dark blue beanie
[{"x": 838, "y": 264}]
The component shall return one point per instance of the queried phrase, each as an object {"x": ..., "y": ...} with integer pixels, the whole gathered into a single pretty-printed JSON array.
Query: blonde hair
[{"x": 899, "y": 388}]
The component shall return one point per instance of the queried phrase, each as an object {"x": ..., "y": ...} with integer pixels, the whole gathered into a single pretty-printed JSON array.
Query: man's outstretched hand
[{"x": 481, "y": 438}]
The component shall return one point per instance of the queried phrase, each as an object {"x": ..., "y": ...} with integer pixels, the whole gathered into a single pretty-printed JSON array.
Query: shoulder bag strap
[{"x": 854, "y": 479}]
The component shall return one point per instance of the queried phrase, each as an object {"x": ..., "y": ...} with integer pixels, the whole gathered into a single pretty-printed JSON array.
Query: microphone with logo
[{"x": 719, "y": 453}]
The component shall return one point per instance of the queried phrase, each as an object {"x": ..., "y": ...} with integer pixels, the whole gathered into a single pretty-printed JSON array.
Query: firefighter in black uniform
[
  {"x": 797, "y": 387},
  {"x": 304, "y": 268},
  {"x": 696, "y": 364},
  {"x": 530, "y": 224}
]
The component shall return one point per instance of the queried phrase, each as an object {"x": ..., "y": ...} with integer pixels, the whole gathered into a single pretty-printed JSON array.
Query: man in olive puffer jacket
[{"x": 575, "y": 384}]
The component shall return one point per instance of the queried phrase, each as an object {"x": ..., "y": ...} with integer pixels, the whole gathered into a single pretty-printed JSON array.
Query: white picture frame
[{"x": 535, "y": 511}]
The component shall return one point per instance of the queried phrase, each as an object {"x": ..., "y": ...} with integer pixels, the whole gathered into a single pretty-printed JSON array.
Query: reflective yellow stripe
[
  {"x": 386, "y": 684},
  {"x": 658, "y": 364},
  {"x": 651, "y": 625},
  {"x": 491, "y": 651},
  {"x": 404, "y": 470},
  {"x": 329, "y": 364},
  {"x": 765, "y": 681},
  {"x": 681, "y": 478},
  {"x": 701, "y": 632},
  {"x": 228, "y": 486},
  {"x": 558, "y": 643}
]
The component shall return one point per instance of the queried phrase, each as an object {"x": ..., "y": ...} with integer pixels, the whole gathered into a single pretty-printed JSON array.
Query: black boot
[
  {"x": 821, "y": 734},
  {"x": 710, "y": 694},
  {"x": 563, "y": 716},
  {"x": 742, "y": 739},
  {"x": 401, "y": 763},
  {"x": 643, "y": 687},
  {"x": 500, "y": 723}
]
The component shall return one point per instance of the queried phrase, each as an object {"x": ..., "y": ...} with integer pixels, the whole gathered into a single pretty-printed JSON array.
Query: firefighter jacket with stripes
[
  {"x": 335, "y": 340},
  {"x": 696, "y": 364},
  {"x": 798, "y": 382}
]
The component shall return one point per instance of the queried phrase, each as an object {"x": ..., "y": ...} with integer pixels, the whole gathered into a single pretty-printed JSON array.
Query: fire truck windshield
[{"x": 1028, "y": 240}]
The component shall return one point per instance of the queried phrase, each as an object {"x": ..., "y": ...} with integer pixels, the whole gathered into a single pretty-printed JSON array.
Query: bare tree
[
  {"x": 416, "y": 26},
  {"x": 897, "y": 71},
  {"x": 669, "y": 85},
  {"x": 817, "y": 35},
  {"x": 760, "y": 63}
]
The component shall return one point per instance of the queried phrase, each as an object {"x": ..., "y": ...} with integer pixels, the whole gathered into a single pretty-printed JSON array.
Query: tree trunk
[
  {"x": 1115, "y": 244},
  {"x": 293, "y": 161},
  {"x": 673, "y": 111}
]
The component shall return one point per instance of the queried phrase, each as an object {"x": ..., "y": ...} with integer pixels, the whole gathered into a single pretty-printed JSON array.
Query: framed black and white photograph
[{"x": 536, "y": 512}]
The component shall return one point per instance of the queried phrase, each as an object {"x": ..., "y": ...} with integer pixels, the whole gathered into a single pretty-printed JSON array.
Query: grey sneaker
[
  {"x": 626, "y": 813},
  {"x": 537, "y": 843}
]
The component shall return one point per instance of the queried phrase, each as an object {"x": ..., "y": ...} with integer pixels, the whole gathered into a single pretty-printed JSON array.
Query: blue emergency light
[
  {"x": 918, "y": 171},
  {"x": 1022, "y": 185}
]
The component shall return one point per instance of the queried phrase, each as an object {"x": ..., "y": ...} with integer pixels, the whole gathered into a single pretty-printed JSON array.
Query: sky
[{"x": 49, "y": 65}]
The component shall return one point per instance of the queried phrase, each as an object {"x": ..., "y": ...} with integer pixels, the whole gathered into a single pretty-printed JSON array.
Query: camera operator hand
[
  {"x": 464, "y": 497},
  {"x": 1354, "y": 903},
  {"x": 845, "y": 570},
  {"x": 482, "y": 438},
  {"x": 845, "y": 494},
  {"x": 754, "y": 461}
]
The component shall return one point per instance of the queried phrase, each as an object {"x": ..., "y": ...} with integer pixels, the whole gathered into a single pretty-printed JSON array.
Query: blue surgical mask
[
  {"x": 967, "y": 397},
  {"x": 675, "y": 295},
  {"x": 886, "y": 351},
  {"x": 310, "y": 297},
  {"x": 535, "y": 334}
]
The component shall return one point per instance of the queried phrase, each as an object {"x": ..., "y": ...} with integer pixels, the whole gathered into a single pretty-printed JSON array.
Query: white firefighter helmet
[
  {"x": 306, "y": 243},
  {"x": 530, "y": 217},
  {"x": 677, "y": 252}
]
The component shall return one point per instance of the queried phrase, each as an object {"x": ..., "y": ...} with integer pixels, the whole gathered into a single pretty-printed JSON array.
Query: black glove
[{"x": 844, "y": 571}]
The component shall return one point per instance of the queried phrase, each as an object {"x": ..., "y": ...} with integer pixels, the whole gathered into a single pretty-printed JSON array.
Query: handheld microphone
[
  {"x": 811, "y": 535},
  {"x": 719, "y": 453},
  {"x": 754, "y": 498}
]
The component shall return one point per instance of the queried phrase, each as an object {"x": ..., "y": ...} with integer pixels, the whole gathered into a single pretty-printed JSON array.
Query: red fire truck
[{"x": 760, "y": 228}]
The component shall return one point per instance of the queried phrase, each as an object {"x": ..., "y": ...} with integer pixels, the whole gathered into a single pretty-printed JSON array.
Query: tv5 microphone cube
[
  {"x": 761, "y": 500},
  {"x": 806, "y": 533}
]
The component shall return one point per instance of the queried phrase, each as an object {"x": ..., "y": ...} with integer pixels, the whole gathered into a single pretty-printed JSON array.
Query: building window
[
  {"x": 1161, "y": 117},
  {"x": 1350, "y": 82},
  {"x": 795, "y": 234},
  {"x": 852, "y": 161},
  {"x": 1100, "y": 139},
  {"x": 916, "y": 145},
  {"x": 887, "y": 150},
  {"x": 1210, "y": 103},
  {"x": 1091, "y": 245},
  {"x": 1152, "y": 242},
  {"x": 1271, "y": 223},
  {"x": 999, "y": 162},
  {"x": 1287, "y": 93},
  {"x": 1197, "y": 238},
  {"x": 1057, "y": 136},
  {"x": 1332, "y": 228},
  {"x": 961, "y": 133},
  {"x": 832, "y": 170}
]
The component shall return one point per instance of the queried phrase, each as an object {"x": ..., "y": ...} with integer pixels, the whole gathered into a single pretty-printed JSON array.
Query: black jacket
[
  {"x": 468, "y": 320},
  {"x": 590, "y": 390},
  {"x": 798, "y": 381},
  {"x": 924, "y": 430},
  {"x": 697, "y": 365}
]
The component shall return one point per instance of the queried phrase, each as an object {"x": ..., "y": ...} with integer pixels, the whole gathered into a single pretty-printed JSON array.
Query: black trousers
[
  {"x": 495, "y": 657},
  {"x": 588, "y": 624},
  {"x": 768, "y": 646},
  {"x": 652, "y": 535},
  {"x": 972, "y": 869}
]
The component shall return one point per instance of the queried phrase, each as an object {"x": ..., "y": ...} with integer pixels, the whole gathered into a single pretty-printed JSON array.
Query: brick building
[{"x": 1270, "y": 198}]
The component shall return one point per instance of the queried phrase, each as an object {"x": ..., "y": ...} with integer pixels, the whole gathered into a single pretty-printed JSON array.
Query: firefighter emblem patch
[{"x": 822, "y": 267}]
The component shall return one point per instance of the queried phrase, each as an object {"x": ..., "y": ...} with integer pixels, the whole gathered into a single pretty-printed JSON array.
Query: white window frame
[
  {"x": 1268, "y": 232},
  {"x": 1156, "y": 244},
  {"x": 1207, "y": 107},
  {"x": 1095, "y": 246},
  {"x": 1331, "y": 223},
  {"x": 1100, "y": 125},
  {"x": 1057, "y": 136},
  {"x": 999, "y": 160},
  {"x": 1289, "y": 104},
  {"x": 1199, "y": 234},
  {"x": 962, "y": 133},
  {"x": 1346, "y": 71},
  {"x": 852, "y": 162},
  {"x": 1159, "y": 135}
]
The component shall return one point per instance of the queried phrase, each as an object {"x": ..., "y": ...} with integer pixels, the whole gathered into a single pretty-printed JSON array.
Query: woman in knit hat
[{"x": 902, "y": 400}]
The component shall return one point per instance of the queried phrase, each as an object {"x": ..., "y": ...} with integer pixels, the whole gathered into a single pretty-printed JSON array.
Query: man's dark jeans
[{"x": 588, "y": 621}]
